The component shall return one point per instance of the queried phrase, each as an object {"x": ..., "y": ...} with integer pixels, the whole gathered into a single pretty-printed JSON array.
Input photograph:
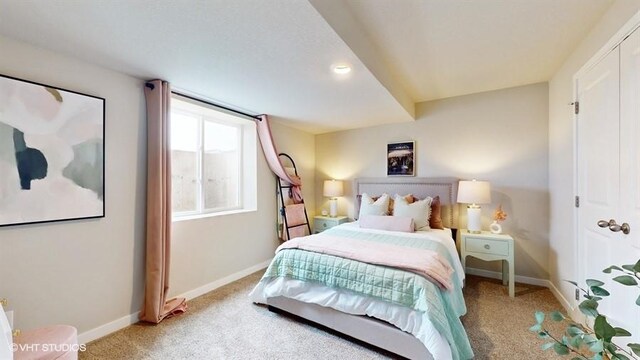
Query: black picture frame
[
  {"x": 401, "y": 158},
  {"x": 52, "y": 161}
]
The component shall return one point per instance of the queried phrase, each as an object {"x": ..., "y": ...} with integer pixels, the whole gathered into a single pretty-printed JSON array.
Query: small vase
[{"x": 495, "y": 228}]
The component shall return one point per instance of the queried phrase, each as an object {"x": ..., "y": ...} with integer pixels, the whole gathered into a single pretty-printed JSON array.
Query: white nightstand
[
  {"x": 322, "y": 223},
  {"x": 489, "y": 247}
]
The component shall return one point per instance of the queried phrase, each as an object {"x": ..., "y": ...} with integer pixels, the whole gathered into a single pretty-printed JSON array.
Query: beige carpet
[{"x": 224, "y": 324}]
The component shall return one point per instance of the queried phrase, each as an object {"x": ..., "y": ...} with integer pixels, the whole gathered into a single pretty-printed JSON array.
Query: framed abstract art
[
  {"x": 401, "y": 158},
  {"x": 51, "y": 153}
]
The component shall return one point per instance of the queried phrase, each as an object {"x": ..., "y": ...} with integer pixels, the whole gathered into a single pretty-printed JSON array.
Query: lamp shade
[
  {"x": 474, "y": 192},
  {"x": 333, "y": 188}
]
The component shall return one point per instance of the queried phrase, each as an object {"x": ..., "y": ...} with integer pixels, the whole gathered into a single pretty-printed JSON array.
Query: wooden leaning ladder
[{"x": 280, "y": 194}]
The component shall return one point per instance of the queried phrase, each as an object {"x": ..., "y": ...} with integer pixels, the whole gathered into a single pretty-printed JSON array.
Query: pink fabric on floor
[
  {"x": 390, "y": 223},
  {"x": 47, "y": 343},
  {"x": 423, "y": 262}
]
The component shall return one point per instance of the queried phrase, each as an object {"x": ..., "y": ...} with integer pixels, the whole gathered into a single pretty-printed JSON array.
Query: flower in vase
[{"x": 499, "y": 214}]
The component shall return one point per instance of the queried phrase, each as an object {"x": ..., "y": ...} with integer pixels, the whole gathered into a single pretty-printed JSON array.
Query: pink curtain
[
  {"x": 271, "y": 154},
  {"x": 156, "y": 307}
]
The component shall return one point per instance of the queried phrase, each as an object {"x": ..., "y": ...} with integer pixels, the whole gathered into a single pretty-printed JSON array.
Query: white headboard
[{"x": 445, "y": 187}]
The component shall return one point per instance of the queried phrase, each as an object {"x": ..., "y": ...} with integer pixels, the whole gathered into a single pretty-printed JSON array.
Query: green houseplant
[{"x": 583, "y": 342}]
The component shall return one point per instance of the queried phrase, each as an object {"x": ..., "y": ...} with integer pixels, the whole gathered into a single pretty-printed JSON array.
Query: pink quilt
[{"x": 423, "y": 262}]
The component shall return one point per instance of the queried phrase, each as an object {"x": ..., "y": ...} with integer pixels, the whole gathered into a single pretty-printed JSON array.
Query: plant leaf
[
  {"x": 635, "y": 348},
  {"x": 622, "y": 332},
  {"x": 608, "y": 270},
  {"x": 603, "y": 329},
  {"x": 543, "y": 335},
  {"x": 536, "y": 328},
  {"x": 596, "y": 357},
  {"x": 592, "y": 282},
  {"x": 539, "y": 317},
  {"x": 561, "y": 349},
  {"x": 548, "y": 346},
  {"x": 625, "y": 280},
  {"x": 574, "y": 331},
  {"x": 556, "y": 316},
  {"x": 589, "y": 307},
  {"x": 628, "y": 267},
  {"x": 597, "y": 290},
  {"x": 636, "y": 267},
  {"x": 576, "y": 341},
  {"x": 638, "y": 300},
  {"x": 597, "y": 347}
]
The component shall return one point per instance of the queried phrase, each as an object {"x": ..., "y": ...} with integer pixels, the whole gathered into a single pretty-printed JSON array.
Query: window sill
[{"x": 208, "y": 215}]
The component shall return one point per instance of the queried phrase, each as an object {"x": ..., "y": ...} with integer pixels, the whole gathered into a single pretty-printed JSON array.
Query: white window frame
[{"x": 247, "y": 166}]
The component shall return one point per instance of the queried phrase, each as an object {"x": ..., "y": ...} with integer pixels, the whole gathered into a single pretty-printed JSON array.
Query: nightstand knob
[
  {"x": 487, "y": 247},
  {"x": 324, "y": 225}
]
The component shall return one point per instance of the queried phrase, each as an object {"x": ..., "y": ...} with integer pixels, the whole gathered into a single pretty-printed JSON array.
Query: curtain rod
[{"x": 254, "y": 117}]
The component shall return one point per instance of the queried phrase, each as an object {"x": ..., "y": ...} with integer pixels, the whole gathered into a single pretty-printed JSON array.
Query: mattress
[{"x": 403, "y": 299}]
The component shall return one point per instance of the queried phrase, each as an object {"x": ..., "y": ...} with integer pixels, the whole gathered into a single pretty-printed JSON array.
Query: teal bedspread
[{"x": 399, "y": 287}]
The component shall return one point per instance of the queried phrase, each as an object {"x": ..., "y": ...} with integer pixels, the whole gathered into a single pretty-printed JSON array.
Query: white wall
[
  {"x": 500, "y": 136},
  {"x": 562, "y": 257},
  {"x": 90, "y": 272}
]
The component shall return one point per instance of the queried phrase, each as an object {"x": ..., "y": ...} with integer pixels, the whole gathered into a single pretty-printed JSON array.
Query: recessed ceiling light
[{"x": 342, "y": 69}]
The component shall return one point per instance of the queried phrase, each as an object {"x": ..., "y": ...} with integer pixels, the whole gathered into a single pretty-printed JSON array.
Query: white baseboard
[
  {"x": 131, "y": 319},
  {"x": 108, "y": 328},
  {"x": 563, "y": 301},
  {"x": 526, "y": 280},
  {"x": 224, "y": 281},
  {"x": 498, "y": 275}
]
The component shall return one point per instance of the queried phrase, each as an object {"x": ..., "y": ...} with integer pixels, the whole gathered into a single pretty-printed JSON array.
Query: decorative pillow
[
  {"x": 435, "y": 218},
  {"x": 369, "y": 206},
  {"x": 418, "y": 210},
  {"x": 390, "y": 212},
  {"x": 390, "y": 223}
]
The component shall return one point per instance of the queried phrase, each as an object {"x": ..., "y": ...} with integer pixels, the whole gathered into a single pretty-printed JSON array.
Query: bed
[{"x": 402, "y": 312}]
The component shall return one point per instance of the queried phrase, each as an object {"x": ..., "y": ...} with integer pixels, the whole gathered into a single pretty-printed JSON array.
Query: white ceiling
[
  {"x": 444, "y": 48},
  {"x": 274, "y": 56}
]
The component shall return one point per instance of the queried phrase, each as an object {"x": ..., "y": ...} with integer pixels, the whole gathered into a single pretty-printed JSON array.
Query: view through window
[{"x": 207, "y": 159}]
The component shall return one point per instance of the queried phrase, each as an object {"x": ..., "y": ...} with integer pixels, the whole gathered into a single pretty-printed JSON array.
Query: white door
[
  {"x": 629, "y": 174},
  {"x": 607, "y": 178},
  {"x": 598, "y": 170}
]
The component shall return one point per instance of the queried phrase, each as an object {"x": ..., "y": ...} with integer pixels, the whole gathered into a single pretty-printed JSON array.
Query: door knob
[
  {"x": 605, "y": 223},
  {"x": 625, "y": 228}
]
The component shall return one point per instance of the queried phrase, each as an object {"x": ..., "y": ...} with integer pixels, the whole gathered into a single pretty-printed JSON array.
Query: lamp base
[
  {"x": 474, "y": 223},
  {"x": 333, "y": 207}
]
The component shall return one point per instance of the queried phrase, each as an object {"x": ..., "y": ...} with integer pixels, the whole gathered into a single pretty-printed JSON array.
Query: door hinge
[
  {"x": 577, "y": 294},
  {"x": 577, "y": 201},
  {"x": 576, "y": 107}
]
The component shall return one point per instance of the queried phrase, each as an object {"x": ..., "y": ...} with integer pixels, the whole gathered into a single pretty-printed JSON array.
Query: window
[{"x": 213, "y": 160}]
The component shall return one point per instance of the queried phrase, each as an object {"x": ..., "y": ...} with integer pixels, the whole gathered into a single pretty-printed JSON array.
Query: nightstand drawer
[
  {"x": 486, "y": 246},
  {"x": 323, "y": 224}
]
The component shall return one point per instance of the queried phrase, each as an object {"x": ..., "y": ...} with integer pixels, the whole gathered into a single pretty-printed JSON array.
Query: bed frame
[{"x": 369, "y": 330}]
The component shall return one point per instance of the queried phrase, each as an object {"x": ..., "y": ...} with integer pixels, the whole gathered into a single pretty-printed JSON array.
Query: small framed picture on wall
[{"x": 401, "y": 158}]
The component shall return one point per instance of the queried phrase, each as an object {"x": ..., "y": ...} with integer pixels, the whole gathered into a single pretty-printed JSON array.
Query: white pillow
[
  {"x": 369, "y": 207},
  {"x": 419, "y": 210}
]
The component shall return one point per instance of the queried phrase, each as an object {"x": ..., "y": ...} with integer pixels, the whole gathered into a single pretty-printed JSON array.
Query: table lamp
[
  {"x": 474, "y": 193},
  {"x": 333, "y": 189}
]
